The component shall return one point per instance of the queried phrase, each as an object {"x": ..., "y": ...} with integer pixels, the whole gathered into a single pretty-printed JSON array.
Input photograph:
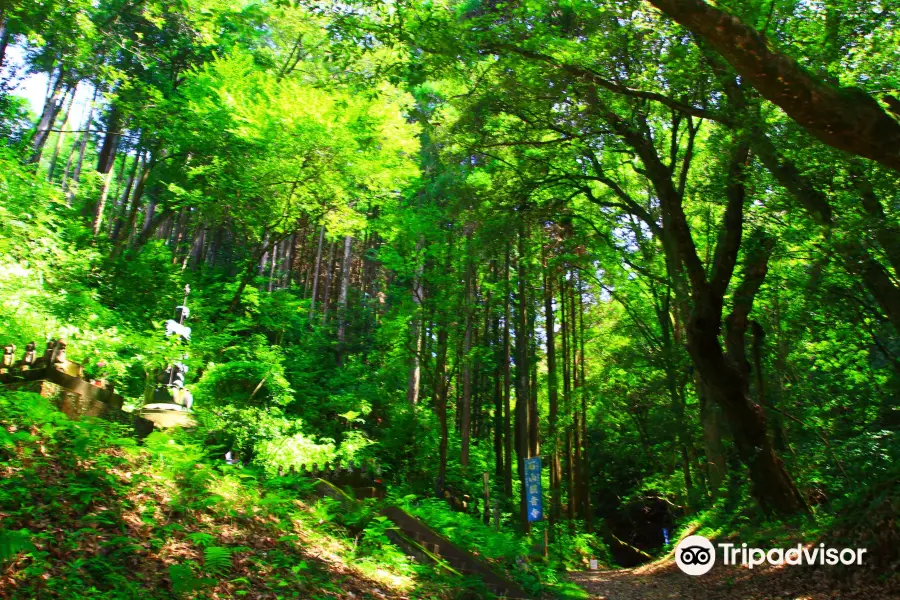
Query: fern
[
  {"x": 202, "y": 539},
  {"x": 13, "y": 542},
  {"x": 216, "y": 560},
  {"x": 183, "y": 579}
]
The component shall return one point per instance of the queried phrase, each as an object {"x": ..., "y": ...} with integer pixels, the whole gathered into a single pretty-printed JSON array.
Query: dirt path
[{"x": 663, "y": 580}]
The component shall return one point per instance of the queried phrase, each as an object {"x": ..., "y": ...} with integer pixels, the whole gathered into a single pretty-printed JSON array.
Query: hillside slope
[{"x": 86, "y": 513}]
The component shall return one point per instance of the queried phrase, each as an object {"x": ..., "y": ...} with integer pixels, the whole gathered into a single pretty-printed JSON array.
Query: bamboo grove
[{"x": 473, "y": 233}]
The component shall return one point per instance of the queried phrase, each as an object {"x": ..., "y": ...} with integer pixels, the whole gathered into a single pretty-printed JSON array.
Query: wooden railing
[{"x": 357, "y": 476}]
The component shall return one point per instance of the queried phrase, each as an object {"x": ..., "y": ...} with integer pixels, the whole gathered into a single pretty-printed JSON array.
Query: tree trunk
[
  {"x": 194, "y": 258},
  {"x": 465, "y": 407},
  {"x": 726, "y": 384},
  {"x": 507, "y": 380},
  {"x": 76, "y": 174},
  {"x": 441, "y": 384},
  {"x": 565, "y": 328},
  {"x": 106, "y": 157},
  {"x": 315, "y": 281},
  {"x": 497, "y": 355},
  {"x": 846, "y": 118},
  {"x": 121, "y": 240},
  {"x": 534, "y": 442},
  {"x": 552, "y": 400},
  {"x": 414, "y": 373},
  {"x": 101, "y": 205},
  {"x": 273, "y": 265},
  {"x": 345, "y": 287},
  {"x": 180, "y": 231},
  {"x": 523, "y": 373},
  {"x": 123, "y": 199},
  {"x": 152, "y": 226},
  {"x": 48, "y": 117},
  {"x": 441, "y": 380},
  {"x": 585, "y": 467},
  {"x": 249, "y": 272},
  {"x": 61, "y": 138},
  {"x": 576, "y": 397},
  {"x": 329, "y": 279}
]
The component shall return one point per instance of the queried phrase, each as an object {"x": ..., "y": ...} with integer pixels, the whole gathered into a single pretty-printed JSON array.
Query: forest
[{"x": 562, "y": 283}]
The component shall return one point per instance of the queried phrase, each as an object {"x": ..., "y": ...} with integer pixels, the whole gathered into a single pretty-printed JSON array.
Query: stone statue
[
  {"x": 171, "y": 389},
  {"x": 30, "y": 354},
  {"x": 9, "y": 355},
  {"x": 44, "y": 361},
  {"x": 58, "y": 358}
]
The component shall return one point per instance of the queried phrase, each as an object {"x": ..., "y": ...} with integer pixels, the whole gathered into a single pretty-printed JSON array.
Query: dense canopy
[{"x": 654, "y": 243}]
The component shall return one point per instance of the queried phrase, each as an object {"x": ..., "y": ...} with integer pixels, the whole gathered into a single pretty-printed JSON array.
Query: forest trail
[{"x": 662, "y": 580}]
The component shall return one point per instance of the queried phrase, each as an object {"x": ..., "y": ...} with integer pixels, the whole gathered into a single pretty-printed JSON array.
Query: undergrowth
[{"x": 87, "y": 512}]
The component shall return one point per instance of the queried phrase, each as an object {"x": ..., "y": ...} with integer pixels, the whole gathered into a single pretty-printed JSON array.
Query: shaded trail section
[{"x": 663, "y": 580}]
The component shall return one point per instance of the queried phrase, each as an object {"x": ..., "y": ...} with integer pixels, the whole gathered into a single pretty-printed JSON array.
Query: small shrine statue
[
  {"x": 177, "y": 327},
  {"x": 45, "y": 360},
  {"x": 30, "y": 354},
  {"x": 9, "y": 355},
  {"x": 172, "y": 388},
  {"x": 58, "y": 358}
]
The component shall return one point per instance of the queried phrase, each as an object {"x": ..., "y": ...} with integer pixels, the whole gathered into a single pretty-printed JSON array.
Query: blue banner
[{"x": 533, "y": 496}]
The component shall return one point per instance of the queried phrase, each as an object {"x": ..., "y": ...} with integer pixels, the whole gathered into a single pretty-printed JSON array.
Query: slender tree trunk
[
  {"x": 153, "y": 226},
  {"x": 565, "y": 327},
  {"x": 181, "y": 229},
  {"x": 124, "y": 197},
  {"x": 101, "y": 205},
  {"x": 585, "y": 466},
  {"x": 273, "y": 265},
  {"x": 441, "y": 383},
  {"x": 534, "y": 442},
  {"x": 106, "y": 156},
  {"x": 465, "y": 408},
  {"x": 552, "y": 400},
  {"x": 292, "y": 264},
  {"x": 329, "y": 277},
  {"x": 441, "y": 380},
  {"x": 121, "y": 240},
  {"x": 507, "y": 380},
  {"x": 264, "y": 259},
  {"x": 497, "y": 346},
  {"x": 414, "y": 374},
  {"x": 345, "y": 287},
  {"x": 315, "y": 281},
  {"x": 523, "y": 373},
  {"x": 251, "y": 270},
  {"x": 63, "y": 184},
  {"x": 194, "y": 258},
  {"x": 214, "y": 247},
  {"x": 118, "y": 206},
  {"x": 48, "y": 117},
  {"x": 61, "y": 138},
  {"x": 576, "y": 397},
  {"x": 76, "y": 174}
]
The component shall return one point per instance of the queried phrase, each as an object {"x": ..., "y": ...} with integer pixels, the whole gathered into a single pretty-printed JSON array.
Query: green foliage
[
  {"x": 216, "y": 560},
  {"x": 483, "y": 165},
  {"x": 118, "y": 516},
  {"x": 14, "y": 542}
]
